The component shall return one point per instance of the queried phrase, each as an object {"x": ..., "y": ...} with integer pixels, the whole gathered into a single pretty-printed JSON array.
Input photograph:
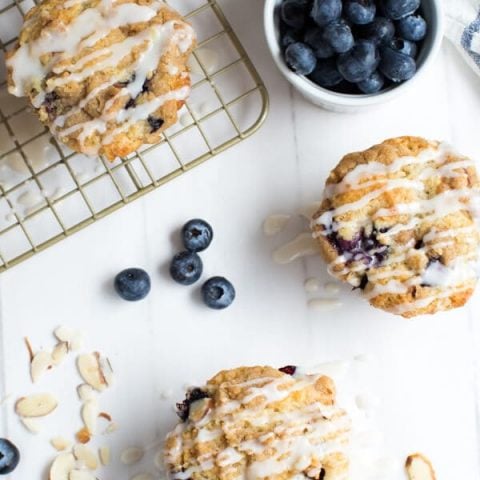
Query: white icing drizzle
[
  {"x": 298, "y": 437},
  {"x": 433, "y": 162},
  {"x": 74, "y": 60}
]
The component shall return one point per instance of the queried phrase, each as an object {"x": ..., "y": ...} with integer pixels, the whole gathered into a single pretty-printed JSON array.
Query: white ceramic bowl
[{"x": 340, "y": 102}]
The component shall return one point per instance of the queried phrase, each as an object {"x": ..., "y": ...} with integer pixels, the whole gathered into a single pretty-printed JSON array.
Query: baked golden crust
[
  {"x": 399, "y": 221},
  {"x": 258, "y": 422},
  {"x": 117, "y": 77}
]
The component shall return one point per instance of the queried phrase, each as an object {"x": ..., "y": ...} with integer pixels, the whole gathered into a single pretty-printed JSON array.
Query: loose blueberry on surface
[
  {"x": 360, "y": 12},
  {"x": 403, "y": 46},
  {"x": 397, "y": 66},
  {"x": 132, "y": 284},
  {"x": 339, "y": 35},
  {"x": 218, "y": 293},
  {"x": 183, "y": 408},
  {"x": 289, "y": 369},
  {"x": 186, "y": 268},
  {"x": 9, "y": 456},
  {"x": 374, "y": 83},
  {"x": 398, "y": 9},
  {"x": 325, "y": 11},
  {"x": 413, "y": 28},
  {"x": 326, "y": 73},
  {"x": 294, "y": 12},
  {"x": 381, "y": 30},
  {"x": 321, "y": 48},
  {"x": 300, "y": 58},
  {"x": 360, "y": 62},
  {"x": 197, "y": 235}
]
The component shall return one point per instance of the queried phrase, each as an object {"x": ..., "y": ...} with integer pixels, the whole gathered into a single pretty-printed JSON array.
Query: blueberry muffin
[
  {"x": 399, "y": 223},
  {"x": 260, "y": 423},
  {"x": 104, "y": 76}
]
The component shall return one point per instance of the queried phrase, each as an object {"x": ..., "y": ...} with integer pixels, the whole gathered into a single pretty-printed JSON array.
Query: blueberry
[
  {"x": 9, "y": 456},
  {"x": 374, "y": 83},
  {"x": 413, "y": 28},
  {"x": 379, "y": 31},
  {"x": 325, "y": 11},
  {"x": 193, "y": 395},
  {"x": 186, "y": 268},
  {"x": 397, "y": 9},
  {"x": 396, "y": 66},
  {"x": 360, "y": 62},
  {"x": 155, "y": 123},
  {"x": 321, "y": 48},
  {"x": 294, "y": 13},
  {"x": 132, "y": 284},
  {"x": 326, "y": 74},
  {"x": 300, "y": 58},
  {"x": 403, "y": 46},
  {"x": 339, "y": 36},
  {"x": 290, "y": 36},
  {"x": 197, "y": 235},
  {"x": 360, "y": 12},
  {"x": 218, "y": 293}
]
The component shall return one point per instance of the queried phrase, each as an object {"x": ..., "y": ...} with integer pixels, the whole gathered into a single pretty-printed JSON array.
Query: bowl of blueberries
[{"x": 346, "y": 55}]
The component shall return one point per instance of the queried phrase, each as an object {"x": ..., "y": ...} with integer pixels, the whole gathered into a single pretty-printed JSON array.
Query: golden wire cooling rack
[{"x": 48, "y": 192}]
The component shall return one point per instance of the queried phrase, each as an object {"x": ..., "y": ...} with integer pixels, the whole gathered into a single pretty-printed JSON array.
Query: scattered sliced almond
[
  {"x": 76, "y": 341},
  {"x": 62, "y": 466},
  {"x": 111, "y": 427},
  {"x": 105, "y": 369},
  {"x": 105, "y": 455},
  {"x": 59, "y": 352},
  {"x": 142, "y": 476},
  {"x": 105, "y": 415},
  {"x": 159, "y": 460},
  {"x": 83, "y": 436},
  {"x": 419, "y": 467},
  {"x": 86, "y": 456},
  {"x": 81, "y": 475},
  {"x": 64, "y": 334},
  {"x": 60, "y": 444},
  {"x": 37, "y": 405},
  {"x": 41, "y": 362},
  {"x": 29, "y": 348},
  {"x": 90, "y": 415},
  {"x": 85, "y": 392},
  {"x": 132, "y": 455},
  {"x": 91, "y": 372},
  {"x": 31, "y": 424}
]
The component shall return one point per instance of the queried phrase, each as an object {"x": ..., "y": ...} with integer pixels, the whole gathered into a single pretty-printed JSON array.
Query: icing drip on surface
[{"x": 418, "y": 209}]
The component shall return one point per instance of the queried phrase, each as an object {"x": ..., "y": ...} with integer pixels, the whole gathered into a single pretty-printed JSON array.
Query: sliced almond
[
  {"x": 105, "y": 369},
  {"x": 86, "y": 456},
  {"x": 90, "y": 415},
  {"x": 64, "y": 334},
  {"x": 76, "y": 341},
  {"x": 199, "y": 409},
  {"x": 85, "y": 392},
  {"x": 111, "y": 427},
  {"x": 59, "y": 352},
  {"x": 81, "y": 475},
  {"x": 37, "y": 405},
  {"x": 83, "y": 436},
  {"x": 159, "y": 460},
  {"x": 62, "y": 466},
  {"x": 105, "y": 415},
  {"x": 142, "y": 476},
  {"x": 89, "y": 368},
  {"x": 105, "y": 455},
  {"x": 31, "y": 424},
  {"x": 41, "y": 362},
  {"x": 132, "y": 455},
  {"x": 60, "y": 444},
  {"x": 419, "y": 467},
  {"x": 29, "y": 348}
]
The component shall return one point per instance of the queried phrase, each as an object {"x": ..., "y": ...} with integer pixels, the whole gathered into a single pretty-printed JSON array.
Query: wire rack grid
[{"x": 48, "y": 192}]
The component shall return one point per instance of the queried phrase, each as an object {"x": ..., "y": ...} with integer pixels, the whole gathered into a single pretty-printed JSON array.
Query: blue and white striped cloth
[{"x": 463, "y": 28}]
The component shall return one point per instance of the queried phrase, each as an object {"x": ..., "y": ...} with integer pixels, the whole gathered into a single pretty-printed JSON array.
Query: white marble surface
[{"x": 426, "y": 371}]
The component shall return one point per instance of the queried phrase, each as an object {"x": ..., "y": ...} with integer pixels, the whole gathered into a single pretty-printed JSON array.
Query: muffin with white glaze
[
  {"x": 260, "y": 423},
  {"x": 399, "y": 222},
  {"x": 105, "y": 76}
]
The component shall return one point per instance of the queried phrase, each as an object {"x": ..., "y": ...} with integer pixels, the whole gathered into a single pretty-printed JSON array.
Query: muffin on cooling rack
[
  {"x": 399, "y": 222},
  {"x": 104, "y": 76},
  {"x": 259, "y": 422}
]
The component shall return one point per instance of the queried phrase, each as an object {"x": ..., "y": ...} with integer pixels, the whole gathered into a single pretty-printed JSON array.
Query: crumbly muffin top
[
  {"x": 104, "y": 75},
  {"x": 399, "y": 222},
  {"x": 260, "y": 423}
]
